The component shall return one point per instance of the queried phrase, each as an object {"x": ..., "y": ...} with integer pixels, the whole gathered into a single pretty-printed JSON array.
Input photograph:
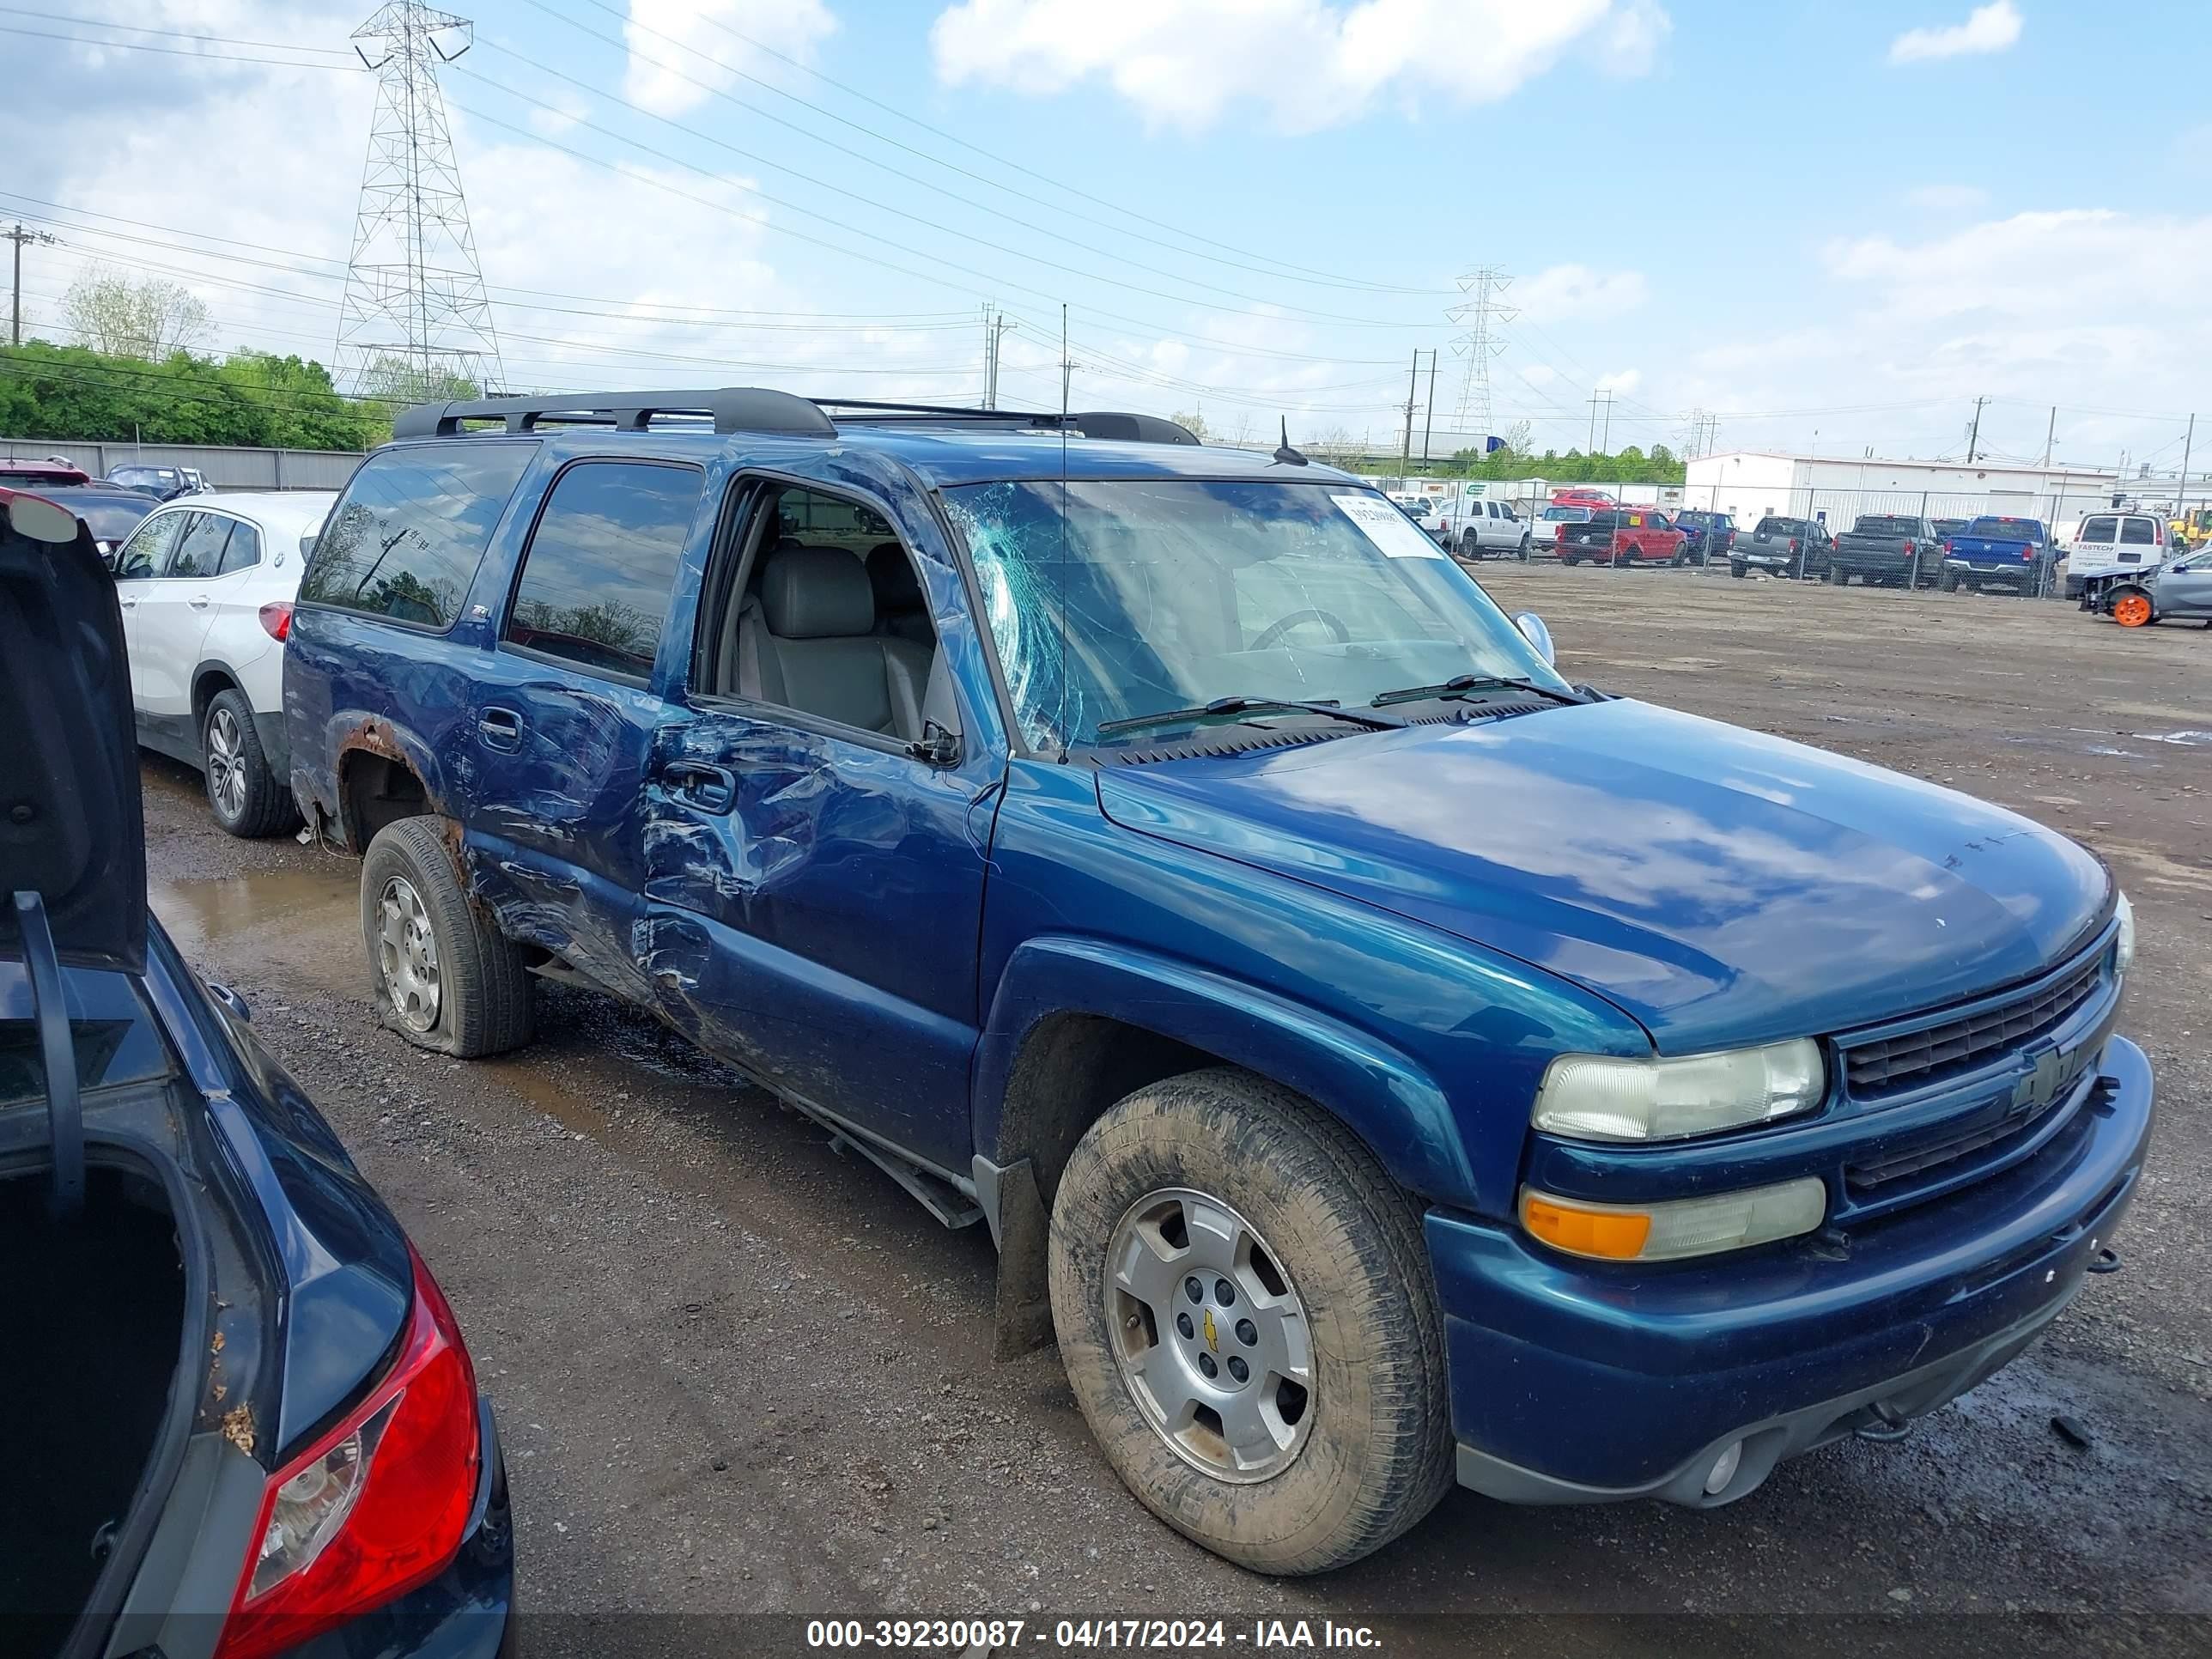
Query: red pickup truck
[{"x": 1624, "y": 535}]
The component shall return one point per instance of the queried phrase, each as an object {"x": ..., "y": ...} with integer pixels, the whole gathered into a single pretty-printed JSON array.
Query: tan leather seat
[{"x": 806, "y": 640}]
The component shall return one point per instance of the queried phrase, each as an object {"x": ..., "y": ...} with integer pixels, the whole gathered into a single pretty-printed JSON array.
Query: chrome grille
[{"x": 1954, "y": 1045}]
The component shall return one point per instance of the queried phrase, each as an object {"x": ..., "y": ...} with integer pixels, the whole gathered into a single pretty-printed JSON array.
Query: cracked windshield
[{"x": 1143, "y": 597}]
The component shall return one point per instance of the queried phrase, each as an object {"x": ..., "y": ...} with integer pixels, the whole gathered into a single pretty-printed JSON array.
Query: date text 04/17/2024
[{"x": 976, "y": 1637}]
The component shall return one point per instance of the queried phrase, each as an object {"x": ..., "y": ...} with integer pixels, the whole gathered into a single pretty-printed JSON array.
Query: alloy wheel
[
  {"x": 407, "y": 952},
  {"x": 1209, "y": 1335},
  {"x": 226, "y": 764}
]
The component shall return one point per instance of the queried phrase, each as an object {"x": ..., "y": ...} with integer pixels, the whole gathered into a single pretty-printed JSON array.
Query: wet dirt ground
[{"x": 737, "y": 1374}]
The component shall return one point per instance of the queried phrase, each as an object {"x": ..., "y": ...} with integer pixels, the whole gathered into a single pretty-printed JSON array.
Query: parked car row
[{"x": 244, "y": 1419}]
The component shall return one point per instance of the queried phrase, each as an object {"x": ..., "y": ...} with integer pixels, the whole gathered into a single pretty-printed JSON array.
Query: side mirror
[
  {"x": 41, "y": 520},
  {"x": 1533, "y": 630},
  {"x": 936, "y": 746}
]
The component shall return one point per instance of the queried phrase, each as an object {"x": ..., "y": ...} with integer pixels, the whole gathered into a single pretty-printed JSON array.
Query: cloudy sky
[{"x": 1828, "y": 225}]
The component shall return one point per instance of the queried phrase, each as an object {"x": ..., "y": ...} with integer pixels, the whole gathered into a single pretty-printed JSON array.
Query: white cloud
[
  {"x": 666, "y": 37},
  {"x": 1574, "y": 291},
  {"x": 1947, "y": 198},
  {"x": 1993, "y": 28},
  {"x": 1307, "y": 64},
  {"x": 1620, "y": 382}
]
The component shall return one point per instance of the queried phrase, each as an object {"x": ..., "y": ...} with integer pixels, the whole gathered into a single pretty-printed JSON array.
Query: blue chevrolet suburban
[{"x": 1379, "y": 1062}]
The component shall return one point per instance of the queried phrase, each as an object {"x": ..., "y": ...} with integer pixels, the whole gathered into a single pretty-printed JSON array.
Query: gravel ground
[{"x": 739, "y": 1376}]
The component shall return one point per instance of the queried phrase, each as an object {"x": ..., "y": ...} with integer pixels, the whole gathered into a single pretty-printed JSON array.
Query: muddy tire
[
  {"x": 1221, "y": 1180},
  {"x": 443, "y": 977},
  {"x": 243, "y": 794}
]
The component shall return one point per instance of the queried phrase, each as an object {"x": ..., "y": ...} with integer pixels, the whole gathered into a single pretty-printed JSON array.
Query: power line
[
  {"x": 178, "y": 51},
  {"x": 1296, "y": 272},
  {"x": 174, "y": 34}
]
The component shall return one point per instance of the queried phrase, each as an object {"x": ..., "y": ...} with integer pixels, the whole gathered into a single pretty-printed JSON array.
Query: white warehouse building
[{"x": 1750, "y": 485}]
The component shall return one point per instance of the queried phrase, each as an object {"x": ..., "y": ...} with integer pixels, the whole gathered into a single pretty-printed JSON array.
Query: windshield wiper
[
  {"x": 1461, "y": 685},
  {"x": 1245, "y": 706}
]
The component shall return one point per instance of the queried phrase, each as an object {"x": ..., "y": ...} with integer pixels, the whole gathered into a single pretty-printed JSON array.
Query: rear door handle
[
  {"x": 500, "y": 728},
  {"x": 710, "y": 788}
]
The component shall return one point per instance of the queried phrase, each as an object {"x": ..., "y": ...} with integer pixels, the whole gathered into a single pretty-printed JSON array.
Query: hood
[
  {"x": 1720, "y": 886},
  {"x": 71, "y": 826}
]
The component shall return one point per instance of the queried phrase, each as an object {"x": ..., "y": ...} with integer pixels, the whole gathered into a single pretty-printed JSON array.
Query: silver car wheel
[
  {"x": 226, "y": 763},
  {"x": 407, "y": 953},
  {"x": 1209, "y": 1335}
]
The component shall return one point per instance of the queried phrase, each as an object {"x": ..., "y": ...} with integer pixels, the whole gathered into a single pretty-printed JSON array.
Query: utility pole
[
  {"x": 995, "y": 329},
  {"x": 2049, "y": 432},
  {"x": 1605, "y": 443},
  {"x": 1429, "y": 420},
  {"x": 20, "y": 235},
  {"x": 2181, "y": 489},
  {"x": 1413, "y": 389},
  {"x": 1590, "y": 449},
  {"x": 1974, "y": 437}
]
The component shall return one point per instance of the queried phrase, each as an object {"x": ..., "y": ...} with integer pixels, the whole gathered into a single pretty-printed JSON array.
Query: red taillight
[
  {"x": 276, "y": 619},
  {"x": 375, "y": 1508},
  {"x": 1911, "y": 546},
  {"x": 1949, "y": 549},
  {"x": 1793, "y": 543}
]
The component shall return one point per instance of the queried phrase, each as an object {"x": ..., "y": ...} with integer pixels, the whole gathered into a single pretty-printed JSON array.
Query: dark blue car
[
  {"x": 242, "y": 1418},
  {"x": 1379, "y": 1062}
]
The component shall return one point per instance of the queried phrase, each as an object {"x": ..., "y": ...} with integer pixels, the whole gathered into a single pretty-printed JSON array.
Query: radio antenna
[{"x": 1059, "y": 610}]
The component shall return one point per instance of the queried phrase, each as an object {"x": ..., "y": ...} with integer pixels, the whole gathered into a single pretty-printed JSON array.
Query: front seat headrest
[{"x": 815, "y": 594}]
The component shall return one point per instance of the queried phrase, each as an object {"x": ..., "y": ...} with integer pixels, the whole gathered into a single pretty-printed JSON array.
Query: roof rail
[
  {"x": 758, "y": 408},
  {"x": 732, "y": 408}
]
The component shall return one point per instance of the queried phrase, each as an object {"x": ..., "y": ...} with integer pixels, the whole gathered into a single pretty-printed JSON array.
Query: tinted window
[
  {"x": 405, "y": 540},
  {"x": 148, "y": 549},
  {"x": 2135, "y": 533},
  {"x": 244, "y": 548},
  {"x": 602, "y": 561},
  {"x": 2099, "y": 530},
  {"x": 198, "y": 551}
]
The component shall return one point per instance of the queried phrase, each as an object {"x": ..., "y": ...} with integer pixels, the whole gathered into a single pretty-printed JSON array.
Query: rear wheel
[
  {"x": 1247, "y": 1320},
  {"x": 1738, "y": 569},
  {"x": 1524, "y": 549},
  {"x": 444, "y": 977},
  {"x": 1838, "y": 578},
  {"x": 2132, "y": 611},
  {"x": 1949, "y": 581},
  {"x": 242, "y": 793}
]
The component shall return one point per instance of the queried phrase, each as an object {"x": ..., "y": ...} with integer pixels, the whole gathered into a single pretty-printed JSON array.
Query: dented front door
[{"x": 812, "y": 908}]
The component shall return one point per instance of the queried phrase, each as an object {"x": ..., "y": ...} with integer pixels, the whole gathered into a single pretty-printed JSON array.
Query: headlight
[
  {"x": 2124, "y": 951},
  {"x": 1670, "y": 1231},
  {"x": 1590, "y": 1097}
]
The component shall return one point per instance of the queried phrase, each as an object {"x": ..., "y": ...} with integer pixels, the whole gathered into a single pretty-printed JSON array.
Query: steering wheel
[{"x": 1275, "y": 630}]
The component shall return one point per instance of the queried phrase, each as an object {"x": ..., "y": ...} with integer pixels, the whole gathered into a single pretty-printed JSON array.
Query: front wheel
[
  {"x": 1248, "y": 1319},
  {"x": 2132, "y": 611},
  {"x": 443, "y": 976}
]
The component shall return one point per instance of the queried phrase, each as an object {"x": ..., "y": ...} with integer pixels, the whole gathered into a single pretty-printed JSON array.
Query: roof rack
[{"x": 758, "y": 408}]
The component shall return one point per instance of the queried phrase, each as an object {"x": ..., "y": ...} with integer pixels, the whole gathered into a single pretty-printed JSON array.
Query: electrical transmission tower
[
  {"x": 1479, "y": 346},
  {"x": 415, "y": 323}
]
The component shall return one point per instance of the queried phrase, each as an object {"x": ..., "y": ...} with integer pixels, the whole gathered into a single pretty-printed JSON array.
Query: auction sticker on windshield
[{"x": 1398, "y": 536}]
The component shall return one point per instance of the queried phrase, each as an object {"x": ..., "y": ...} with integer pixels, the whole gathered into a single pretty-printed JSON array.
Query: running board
[{"x": 951, "y": 1206}]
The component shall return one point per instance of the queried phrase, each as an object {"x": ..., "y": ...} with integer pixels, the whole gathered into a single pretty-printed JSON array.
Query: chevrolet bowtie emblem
[{"x": 1212, "y": 1346}]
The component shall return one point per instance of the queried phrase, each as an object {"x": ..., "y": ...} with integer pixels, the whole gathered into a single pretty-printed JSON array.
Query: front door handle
[
  {"x": 710, "y": 788},
  {"x": 198, "y": 602},
  {"x": 500, "y": 728}
]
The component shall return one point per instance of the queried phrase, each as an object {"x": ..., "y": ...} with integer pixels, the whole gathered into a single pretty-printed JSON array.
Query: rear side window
[
  {"x": 405, "y": 541},
  {"x": 198, "y": 551},
  {"x": 2135, "y": 533},
  {"x": 602, "y": 563},
  {"x": 242, "y": 550}
]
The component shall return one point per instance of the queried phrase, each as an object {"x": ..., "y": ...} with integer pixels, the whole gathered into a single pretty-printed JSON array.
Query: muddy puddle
[{"x": 301, "y": 919}]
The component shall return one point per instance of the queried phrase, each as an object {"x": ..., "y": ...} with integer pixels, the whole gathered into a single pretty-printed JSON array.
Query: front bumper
[{"x": 1577, "y": 1382}]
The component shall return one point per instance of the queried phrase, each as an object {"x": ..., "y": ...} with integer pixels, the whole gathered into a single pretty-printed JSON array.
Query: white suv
[{"x": 206, "y": 584}]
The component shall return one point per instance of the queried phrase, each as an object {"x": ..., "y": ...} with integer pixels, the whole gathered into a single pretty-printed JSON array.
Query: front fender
[{"x": 1381, "y": 1094}]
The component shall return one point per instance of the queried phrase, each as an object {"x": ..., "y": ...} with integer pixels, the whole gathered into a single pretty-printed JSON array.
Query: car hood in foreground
[
  {"x": 70, "y": 825},
  {"x": 1721, "y": 886}
]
